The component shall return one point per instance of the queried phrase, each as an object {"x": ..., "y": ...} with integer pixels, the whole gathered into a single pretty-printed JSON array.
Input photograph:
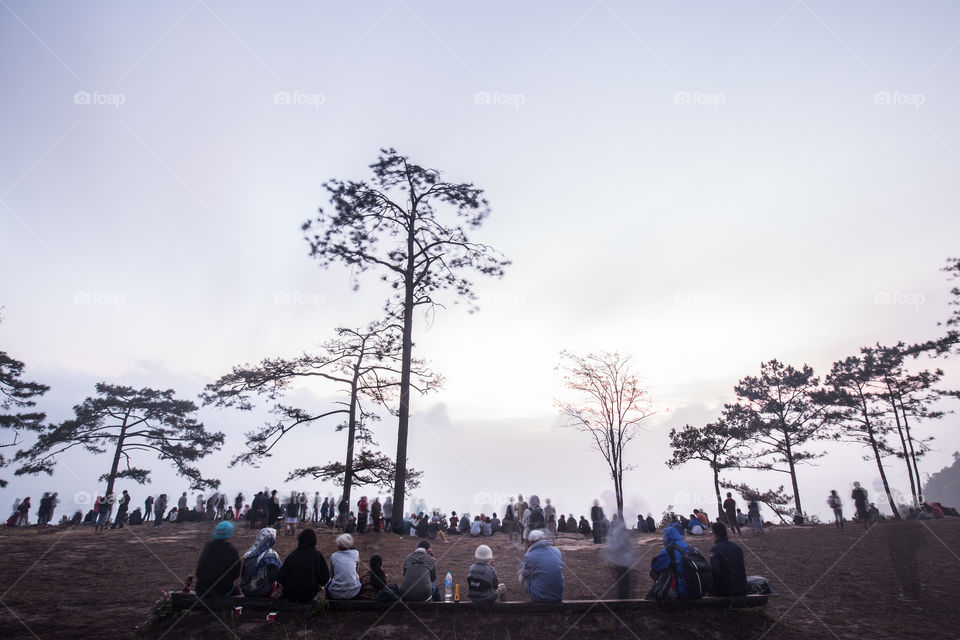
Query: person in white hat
[{"x": 482, "y": 582}]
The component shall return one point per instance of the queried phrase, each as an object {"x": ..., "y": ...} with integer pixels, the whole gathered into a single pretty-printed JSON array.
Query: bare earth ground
[{"x": 896, "y": 580}]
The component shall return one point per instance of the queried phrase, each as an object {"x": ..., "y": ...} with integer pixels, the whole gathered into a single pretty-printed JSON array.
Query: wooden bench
[{"x": 189, "y": 600}]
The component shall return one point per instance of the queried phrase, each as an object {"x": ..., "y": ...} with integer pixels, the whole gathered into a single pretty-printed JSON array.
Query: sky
[{"x": 703, "y": 187}]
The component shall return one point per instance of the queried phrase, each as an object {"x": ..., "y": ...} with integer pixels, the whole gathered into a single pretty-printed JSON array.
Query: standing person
[
  {"x": 24, "y": 519},
  {"x": 621, "y": 555},
  {"x": 182, "y": 507},
  {"x": 158, "y": 508},
  {"x": 274, "y": 510},
  {"x": 304, "y": 572},
  {"x": 859, "y": 496},
  {"x": 147, "y": 509},
  {"x": 238, "y": 504},
  {"x": 325, "y": 511},
  {"x": 483, "y": 585},
  {"x": 219, "y": 564},
  {"x": 550, "y": 514},
  {"x": 510, "y": 522},
  {"x": 541, "y": 572},
  {"x": 43, "y": 515},
  {"x": 726, "y": 565},
  {"x": 303, "y": 507},
  {"x": 343, "y": 508},
  {"x": 363, "y": 511},
  {"x": 221, "y": 505},
  {"x": 597, "y": 517},
  {"x": 292, "y": 515},
  {"x": 123, "y": 504},
  {"x": 834, "y": 502},
  {"x": 753, "y": 515},
  {"x": 376, "y": 512},
  {"x": 316, "y": 507},
  {"x": 730, "y": 510},
  {"x": 103, "y": 513},
  {"x": 344, "y": 579},
  {"x": 519, "y": 509},
  {"x": 388, "y": 513}
]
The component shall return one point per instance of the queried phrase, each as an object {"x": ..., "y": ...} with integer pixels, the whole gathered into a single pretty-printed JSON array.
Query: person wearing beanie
[
  {"x": 541, "y": 572},
  {"x": 482, "y": 582},
  {"x": 344, "y": 581},
  {"x": 219, "y": 564},
  {"x": 303, "y": 572}
]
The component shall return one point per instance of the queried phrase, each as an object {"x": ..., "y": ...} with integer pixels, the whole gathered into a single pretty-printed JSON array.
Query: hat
[
  {"x": 344, "y": 541},
  {"x": 223, "y": 531},
  {"x": 483, "y": 553},
  {"x": 536, "y": 535}
]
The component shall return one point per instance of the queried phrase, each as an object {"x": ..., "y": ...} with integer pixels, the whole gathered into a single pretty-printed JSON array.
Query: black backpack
[
  {"x": 696, "y": 571},
  {"x": 536, "y": 519}
]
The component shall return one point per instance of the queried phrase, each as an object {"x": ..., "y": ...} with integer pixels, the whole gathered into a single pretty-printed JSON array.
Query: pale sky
[{"x": 705, "y": 187}]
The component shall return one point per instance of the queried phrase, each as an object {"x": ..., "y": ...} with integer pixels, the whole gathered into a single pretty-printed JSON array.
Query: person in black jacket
[
  {"x": 596, "y": 516},
  {"x": 304, "y": 572},
  {"x": 726, "y": 565},
  {"x": 219, "y": 564}
]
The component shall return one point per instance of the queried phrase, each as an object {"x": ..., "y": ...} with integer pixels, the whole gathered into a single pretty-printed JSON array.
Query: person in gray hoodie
[{"x": 420, "y": 575}]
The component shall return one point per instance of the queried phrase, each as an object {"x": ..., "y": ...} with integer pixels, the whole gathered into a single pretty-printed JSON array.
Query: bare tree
[
  {"x": 610, "y": 407},
  {"x": 393, "y": 225}
]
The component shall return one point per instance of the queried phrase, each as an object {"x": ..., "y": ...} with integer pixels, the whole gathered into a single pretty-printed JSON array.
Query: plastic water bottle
[{"x": 448, "y": 588}]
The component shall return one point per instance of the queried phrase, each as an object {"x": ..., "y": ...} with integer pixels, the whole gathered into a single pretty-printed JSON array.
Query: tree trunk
[
  {"x": 716, "y": 488},
  {"x": 351, "y": 436},
  {"x": 793, "y": 471},
  {"x": 883, "y": 474},
  {"x": 400, "y": 480},
  {"x": 116, "y": 457},
  {"x": 913, "y": 455},
  {"x": 903, "y": 445}
]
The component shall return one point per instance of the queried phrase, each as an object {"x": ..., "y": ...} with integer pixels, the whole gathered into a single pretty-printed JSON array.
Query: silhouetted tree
[
  {"x": 121, "y": 421},
  {"x": 369, "y": 468},
  {"x": 15, "y": 394},
  {"x": 610, "y": 407},
  {"x": 851, "y": 382},
  {"x": 720, "y": 444},
  {"x": 411, "y": 226},
  {"x": 364, "y": 363},
  {"x": 785, "y": 409},
  {"x": 775, "y": 499}
]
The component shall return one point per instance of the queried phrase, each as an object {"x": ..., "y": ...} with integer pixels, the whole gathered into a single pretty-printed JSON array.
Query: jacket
[
  {"x": 661, "y": 562},
  {"x": 542, "y": 572},
  {"x": 482, "y": 583},
  {"x": 344, "y": 581},
  {"x": 303, "y": 574},
  {"x": 217, "y": 568},
  {"x": 729, "y": 573},
  {"x": 419, "y": 574}
]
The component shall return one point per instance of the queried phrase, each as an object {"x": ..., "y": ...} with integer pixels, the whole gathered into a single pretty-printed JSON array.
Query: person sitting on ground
[
  {"x": 260, "y": 565},
  {"x": 541, "y": 572},
  {"x": 374, "y": 581},
  {"x": 351, "y": 524},
  {"x": 420, "y": 575},
  {"x": 661, "y": 563},
  {"x": 453, "y": 525},
  {"x": 741, "y": 518},
  {"x": 76, "y": 519},
  {"x": 136, "y": 517},
  {"x": 483, "y": 585},
  {"x": 303, "y": 572},
  {"x": 651, "y": 525},
  {"x": 476, "y": 528},
  {"x": 584, "y": 527},
  {"x": 486, "y": 527},
  {"x": 495, "y": 525},
  {"x": 465, "y": 523},
  {"x": 344, "y": 582},
  {"x": 228, "y": 514},
  {"x": 561, "y": 524},
  {"x": 571, "y": 524},
  {"x": 726, "y": 565},
  {"x": 694, "y": 526},
  {"x": 423, "y": 526},
  {"x": 533, "y": 518},
  {"x": 219, "y": 564},
  {"x": 873, "y": 514},
  {"x": 702, "y": 517}
]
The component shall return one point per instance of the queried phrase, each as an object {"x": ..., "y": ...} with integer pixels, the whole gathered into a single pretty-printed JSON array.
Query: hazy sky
[{"x": 704, "y": 186}]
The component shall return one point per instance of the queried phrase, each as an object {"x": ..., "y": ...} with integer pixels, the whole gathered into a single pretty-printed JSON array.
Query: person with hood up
[
  {"x": 672, "y": 536},
  {"x": 621, "y": 555},
  {"x": 303, "y": 572},
  {"x": 260, "y": 565},
  {"x": 541, "y": 572},
  {"x": 420, "y": 575},
  {"x": 219, "y": 564}
]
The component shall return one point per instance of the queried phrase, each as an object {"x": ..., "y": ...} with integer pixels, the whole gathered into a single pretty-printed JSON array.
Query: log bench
[{"x": 189, "y": 600}]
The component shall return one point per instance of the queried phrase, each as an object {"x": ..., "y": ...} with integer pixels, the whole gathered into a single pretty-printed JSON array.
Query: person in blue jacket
[
  {"x": 541, "y": 572},
  {"x": 672, "y": 536}
]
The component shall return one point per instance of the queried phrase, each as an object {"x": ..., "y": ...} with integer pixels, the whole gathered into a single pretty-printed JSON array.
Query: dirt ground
[{"x": 895, "y": 580}]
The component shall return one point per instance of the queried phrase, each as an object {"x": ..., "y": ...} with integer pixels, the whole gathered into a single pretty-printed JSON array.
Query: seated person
[
  {"x": 660, "y": 566},
  {"x": 465, "y": 523},
  {"x": 584, "y": 527},
  {"x": 641, "y": 524},
  {"x": 494, "y": 524},
  {"x": 541, "y": 572},
  {"x": 76, "y": 519},
  {"x": 476, "y": 528},
  {"x": 702, "y": 517},
  {"x": 136, "y": 517},
  {"x": 571, "y": 524},
  {"x": 423, "y": 527},
  {"x": 228, "y": 514},
  {"x": 486, "y": 528},
  {"x": 453, "y": 527},
  {"x": 303, "y": 572},
  {"x": 561, "y": 524},
  {"x": 694, "y": 526},
  {"x": 374, "y": 581},
  {"x": 260, "y": 565},
  {"x": 420, "y": 575},
  {"x": 741, "y": 518},
  {"x": 482, "y": 582},
  {"x": 726, "y": 565},
  {"x": 219, "y": 564},
  {"x": 344, "y": 582},
  {"x": 651, "y": 525}
]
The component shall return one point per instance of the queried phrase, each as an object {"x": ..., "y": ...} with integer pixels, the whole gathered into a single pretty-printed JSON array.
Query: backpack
[
  {"x": 696, "y": 571},
  {"x": 536, "y": 519}
]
